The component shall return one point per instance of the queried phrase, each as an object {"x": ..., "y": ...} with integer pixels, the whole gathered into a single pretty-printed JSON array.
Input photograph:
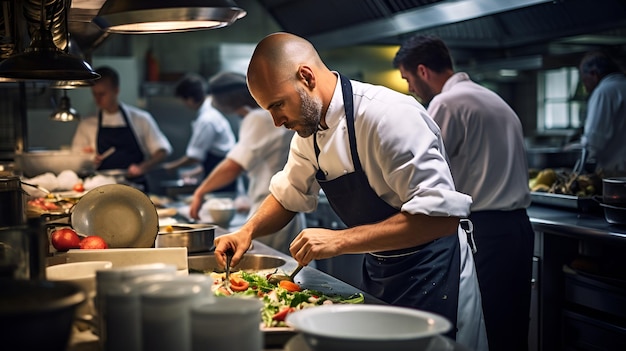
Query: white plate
[{"x": 122, "y": 215}]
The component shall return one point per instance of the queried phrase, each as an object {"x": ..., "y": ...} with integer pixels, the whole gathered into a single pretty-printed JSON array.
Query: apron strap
[{"x": 468, "y": 228}]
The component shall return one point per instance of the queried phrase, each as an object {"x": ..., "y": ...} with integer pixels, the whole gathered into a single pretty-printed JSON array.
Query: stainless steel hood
[{"x": 489, "y": 29}]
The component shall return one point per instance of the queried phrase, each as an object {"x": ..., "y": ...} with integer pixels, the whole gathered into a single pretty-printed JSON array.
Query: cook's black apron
[
  {"x": 209, "y": 163},
  {"x": 424, "y": 277},
  {"x": 127, "y": 150}
]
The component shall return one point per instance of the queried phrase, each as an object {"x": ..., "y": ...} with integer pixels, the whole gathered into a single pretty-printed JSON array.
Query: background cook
[{"x": 139, "y": 143}]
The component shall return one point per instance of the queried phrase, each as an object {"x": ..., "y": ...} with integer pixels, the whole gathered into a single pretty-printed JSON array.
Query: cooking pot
[
  {"x": 195, "y": 237},
  {"x": 37, "y": 314},
  {"x": 614, "y": 191},
  {"x": 12, "y": 209},
  {"x": 614, "y": 214}
]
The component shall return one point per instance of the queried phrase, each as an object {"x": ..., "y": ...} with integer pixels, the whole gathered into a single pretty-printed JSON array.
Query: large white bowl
[{"x": 367, "y": 327}]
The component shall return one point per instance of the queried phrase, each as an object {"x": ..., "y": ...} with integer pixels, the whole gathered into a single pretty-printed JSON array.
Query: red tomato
[
  {"x": 64, "y": 239},
  {"x": 78, "y": 187},
  {"x": 238, "y": 284},
  {"x": 289, "y": 285},
  {"x": 93, "y": 242},
  {"x": 280, "y": 315}
]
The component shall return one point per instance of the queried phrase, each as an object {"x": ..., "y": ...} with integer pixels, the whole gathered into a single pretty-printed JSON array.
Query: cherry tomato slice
[
  {"x": 282, "y": 314},
  {"x": 238, "y": 284},
  {"x": 289, "y": 285}
]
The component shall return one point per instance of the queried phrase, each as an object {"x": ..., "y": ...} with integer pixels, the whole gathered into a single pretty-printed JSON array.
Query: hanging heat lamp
[
  {"x": 166, "y": 16},
  {"x": 65, "y": 112},
  {"x": 43, "y": 60}
]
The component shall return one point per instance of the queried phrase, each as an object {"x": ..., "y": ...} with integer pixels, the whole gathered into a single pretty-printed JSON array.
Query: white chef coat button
[
  {"x": 326, "y": 172},
  {"x": 345, "y": 171}
]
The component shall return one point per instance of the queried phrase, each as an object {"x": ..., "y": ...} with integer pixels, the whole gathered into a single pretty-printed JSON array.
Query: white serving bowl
[
  {"x": 367, "y": 327},
  {"x": 82, "y": 274}
]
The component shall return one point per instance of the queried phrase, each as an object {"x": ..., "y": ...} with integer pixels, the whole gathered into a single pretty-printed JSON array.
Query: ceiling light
[
  {"x": 71, "y": 84},
  {"x": 65, "y": 112},
  {"x": 43, "y": 60},
  {"x": 166, "y": 16}
]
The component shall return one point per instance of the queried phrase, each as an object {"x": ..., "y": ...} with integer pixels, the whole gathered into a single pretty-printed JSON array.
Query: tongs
[
  {"x": 578, "y": 168},
  {"x": 277, "y": 278},
  {"x": 229, "y": 256}
]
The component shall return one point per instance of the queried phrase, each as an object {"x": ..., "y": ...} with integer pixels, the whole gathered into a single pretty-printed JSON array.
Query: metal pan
[
  {"x": 195, "y": 237},
  {"x": 122, "y": 215}
]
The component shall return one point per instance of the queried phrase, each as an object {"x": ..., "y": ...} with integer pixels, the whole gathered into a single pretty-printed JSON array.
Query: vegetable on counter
[{"x": 278, "y": 300}]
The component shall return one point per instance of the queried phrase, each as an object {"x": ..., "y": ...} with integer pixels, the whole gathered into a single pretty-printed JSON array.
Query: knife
[{"x": 107, "y": 153}]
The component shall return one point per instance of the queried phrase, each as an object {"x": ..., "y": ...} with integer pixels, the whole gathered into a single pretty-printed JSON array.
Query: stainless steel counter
[{"x": 573, "y": 223}]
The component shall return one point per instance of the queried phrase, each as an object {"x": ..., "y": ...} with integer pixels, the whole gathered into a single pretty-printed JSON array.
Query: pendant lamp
[
  {"x": 166, "y": 16},
  {"x": 43, "y": 60},
  {"x": 65, "y": 112}
]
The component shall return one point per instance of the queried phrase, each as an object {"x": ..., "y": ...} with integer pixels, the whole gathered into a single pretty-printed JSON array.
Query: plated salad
[{"x": 278, "y": 299}]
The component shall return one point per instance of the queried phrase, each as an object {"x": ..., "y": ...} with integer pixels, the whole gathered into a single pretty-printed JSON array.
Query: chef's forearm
[
  {"x": 269, "y": 218},
  {"x": 400, "y": 231},
  {"x": 155, "y": 159}
]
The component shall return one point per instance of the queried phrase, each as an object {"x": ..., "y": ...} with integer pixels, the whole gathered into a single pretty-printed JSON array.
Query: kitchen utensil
[
  {"x": 614, "y": 214},
  {"x": 12, "y": 207},
  {"x": 37, "y": 314},
  {"x": 195, "y": 237},
  {"x": 122, "y": 215},
  {"x": 277, "y": 278},
  {"x": 34, "y": 163},
  {"x": 367, "y": 327},
  {"x": 229, "y": 256},
  {"x": 614, "y": 191},
  {"x": 107, "y": 153},
  {"x": 249, "y": 262}
]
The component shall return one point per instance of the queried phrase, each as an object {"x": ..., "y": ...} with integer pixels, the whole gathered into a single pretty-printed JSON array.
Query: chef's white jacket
[
  {"x": 149, "y": 136},
  {"x": 210, "y": 132},
  {"x": 485, "y": 144},
  {"x": 605, "y": 126}
]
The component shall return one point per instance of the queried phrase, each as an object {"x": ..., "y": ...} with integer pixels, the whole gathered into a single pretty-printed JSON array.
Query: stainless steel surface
[
  {"x": 34, "y": 163},
  {"x": 159, "y": 16},
  {"x": 250, "y": 261},
  {"x": 195, "y": 237},
  {"x": 614, "y": 214}
]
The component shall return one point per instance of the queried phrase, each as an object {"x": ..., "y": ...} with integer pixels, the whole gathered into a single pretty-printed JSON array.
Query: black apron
[
  {"x": 424, "y": 277},
  {"x": 209, "y": 163},
  {"x": 127, "y": 149}
]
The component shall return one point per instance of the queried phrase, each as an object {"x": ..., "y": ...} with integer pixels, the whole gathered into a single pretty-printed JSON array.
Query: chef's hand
[
  {"x": 315, "y": 244},
  {"x": 194, "y": 207},
  {"x": 134, "y": 170},
  {"x": 238, "y": 241}
]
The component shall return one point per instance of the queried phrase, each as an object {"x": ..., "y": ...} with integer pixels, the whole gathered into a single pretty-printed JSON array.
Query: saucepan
[
  {"x": 195, "y": 237},
  {"x": 614, "y": 191},
  {"x": 122, "y": 215}
]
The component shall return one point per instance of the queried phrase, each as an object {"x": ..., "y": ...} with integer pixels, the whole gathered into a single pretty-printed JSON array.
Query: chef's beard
[{"x": 311, "y": 113}]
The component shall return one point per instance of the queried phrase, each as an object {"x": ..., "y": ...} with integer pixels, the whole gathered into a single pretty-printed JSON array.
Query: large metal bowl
[
  {"x": 195, "y": 237},
  {"x": 249, "y": 262},
  {"x": 35, "y": 163}
]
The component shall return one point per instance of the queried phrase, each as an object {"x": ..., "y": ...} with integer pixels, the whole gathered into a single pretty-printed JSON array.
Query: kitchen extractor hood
[{"x": 166, "y": 16}]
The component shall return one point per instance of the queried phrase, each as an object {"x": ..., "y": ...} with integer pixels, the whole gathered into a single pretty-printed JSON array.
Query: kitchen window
[{"x": 561, "y": 105}]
